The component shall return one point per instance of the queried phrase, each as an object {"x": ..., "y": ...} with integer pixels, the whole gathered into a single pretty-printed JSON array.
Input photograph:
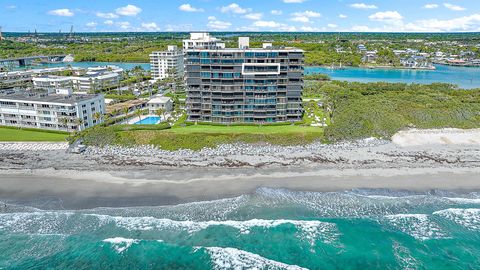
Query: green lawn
[
  {"x": 243, "y": 129},
  {"x": 200, "y": 136},
  {"x": 21, "y": 135}
]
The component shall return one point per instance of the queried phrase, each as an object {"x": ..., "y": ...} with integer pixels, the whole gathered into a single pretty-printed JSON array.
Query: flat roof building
[
  {"x": 59, "y": 110},
  {"x": 90, "y": 80},
  {"x": 164, "y": 103},
  {"x": 242, "y": 85},
  {"x": 165, "y": 64}
]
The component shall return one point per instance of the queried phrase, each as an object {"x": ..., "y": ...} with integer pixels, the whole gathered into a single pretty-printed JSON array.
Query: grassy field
[
  {"x": 199, "y": 136},
  {"x": 242, "y": 129},
  {"x": 20, "y": 135}
]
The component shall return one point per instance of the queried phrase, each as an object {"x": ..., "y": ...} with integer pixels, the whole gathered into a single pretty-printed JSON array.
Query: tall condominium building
[
  {"x": 243, "y": 85},
  {"x": 60, "y": 110},
  {"x": 167, "y": 63}
]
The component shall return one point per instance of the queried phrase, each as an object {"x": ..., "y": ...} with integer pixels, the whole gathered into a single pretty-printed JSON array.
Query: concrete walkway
[{"x": 33, "y": 146}]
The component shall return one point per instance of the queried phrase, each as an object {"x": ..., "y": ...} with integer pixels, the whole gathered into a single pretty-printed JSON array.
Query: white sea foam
[
  {"x": 42, "y": 222},
  {"x": 468, "y": 218},
  {"x": 404, "y": 257},
  {"x": 465, "y": 200},
  {"x": 120, "y": 244},
  {"x": 419, "y": 226},
  {"x": 232, "y": 258},
  {"x": 310, "y": 230}
]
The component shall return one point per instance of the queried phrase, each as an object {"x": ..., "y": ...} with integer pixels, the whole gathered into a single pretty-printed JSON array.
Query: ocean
[{"x": 269, "y": 229}]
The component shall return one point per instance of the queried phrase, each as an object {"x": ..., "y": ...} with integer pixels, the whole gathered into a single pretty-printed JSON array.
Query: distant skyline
[{"x": 245, "y": 15}]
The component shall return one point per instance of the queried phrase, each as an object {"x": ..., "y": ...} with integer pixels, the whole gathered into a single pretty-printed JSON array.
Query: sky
[{"x": 244, "y": 15}]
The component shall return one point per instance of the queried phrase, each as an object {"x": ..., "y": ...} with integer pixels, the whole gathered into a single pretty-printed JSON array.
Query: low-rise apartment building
[
  {"x": 164, "y": 103},
  {"x": 242, "y": 85},
  {"x": 165, "y": 64},
  {"x": 12, "y": 78},
  {"x": 60, "y": 110},
  {"x": 93, "y": 79}
]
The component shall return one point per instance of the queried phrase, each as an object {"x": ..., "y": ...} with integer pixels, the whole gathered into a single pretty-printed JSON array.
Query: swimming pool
[{"x": 151, "y": 120}]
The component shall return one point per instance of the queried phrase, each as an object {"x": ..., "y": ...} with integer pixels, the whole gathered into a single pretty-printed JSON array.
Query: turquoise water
[
  {"x": 464, "y": 77},
  {"x": 151, "y": 120},
  {"x": 269, "y": 229}
]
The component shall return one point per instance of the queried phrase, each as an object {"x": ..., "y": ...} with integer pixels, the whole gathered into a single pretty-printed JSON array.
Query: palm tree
[
  {"x": 64, "y": 122},
  {"x": 139, "y": 114},
  {"x": 107, "y": 117},
  {"x": 97, "y": 116},
  {"x": 160, "y": 112},
  {"x": 126, "y": 110},
  {"x": 79, "y": 122}
]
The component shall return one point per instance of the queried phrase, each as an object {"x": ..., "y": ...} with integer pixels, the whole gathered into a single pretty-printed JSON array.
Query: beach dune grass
[
  {"x": 196, "y": 137},
  {"x": 13, "y": 134}
]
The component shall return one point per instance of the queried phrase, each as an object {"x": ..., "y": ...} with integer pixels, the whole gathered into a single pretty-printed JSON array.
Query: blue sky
[{"x": 245, "y": 15}]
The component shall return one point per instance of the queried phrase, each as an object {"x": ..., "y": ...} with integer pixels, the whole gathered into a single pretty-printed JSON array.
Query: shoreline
[
  {"x": 415, "y": 160},
  {"x": 128, "y": 189}
]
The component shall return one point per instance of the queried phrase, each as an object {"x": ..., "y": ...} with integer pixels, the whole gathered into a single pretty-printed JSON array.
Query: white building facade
[
  {"x": 167, "y": 63},
  {"x": 61, "y": 110},
  {"x": 164, "y": 103}
]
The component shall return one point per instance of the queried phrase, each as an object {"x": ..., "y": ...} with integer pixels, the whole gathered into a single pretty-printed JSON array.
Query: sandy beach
[{"x": 117, "y": 176}]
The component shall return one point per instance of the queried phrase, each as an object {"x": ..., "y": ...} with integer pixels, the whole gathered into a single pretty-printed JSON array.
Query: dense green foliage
[
  {"x": 102, "y": 51},
  {"x": 360, "y": 110},
  {"x": 321, "y": 48},
  {"x": 317, "y": 77},
  {"x": 351, "y": 110}
]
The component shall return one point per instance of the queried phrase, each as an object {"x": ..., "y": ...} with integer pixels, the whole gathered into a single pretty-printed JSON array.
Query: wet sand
[
  {"x": 80, "y": 190},
  {"x": 417, "y": 160}
]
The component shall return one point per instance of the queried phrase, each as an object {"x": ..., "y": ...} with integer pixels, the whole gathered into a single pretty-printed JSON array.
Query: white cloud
[
  {"x": 108, "y": 15},
  {"x": 386, "y": 16},
  {"x": 308, "y": 13},
  {"x": 363, "y": 6},
  {"x": 342, "y": 16},
  {"x": 189, "y": 8},
  {"x": 276, "y": 12},
  {"x": 215, "y": 24},
  {"x": 293, "y": 1},
  {"x": 254, "y": 16},
  {"x": 273, "y": 26},
  {"x": 462, "y": 24},
  {"x": 453, "y": 7},
  {"x": 123, "y": 25},
  {"x": 234, "y": 8},
  {"x": 431, "y": 6},
  {"x": 91, "y": 24},
  {"x": 465, "y": 24},
  {"x": 63, "y": 12},
  {"x": 108, "y": 22},
  {"x": 305, "y": 16},
  {"x": 11, "y": 7},
  {"x": 331, "y": 25},
  {"x": 300, "y": 19},
  {"x": 150, "y": 26},
  {"x": 128, "y": 10}
]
